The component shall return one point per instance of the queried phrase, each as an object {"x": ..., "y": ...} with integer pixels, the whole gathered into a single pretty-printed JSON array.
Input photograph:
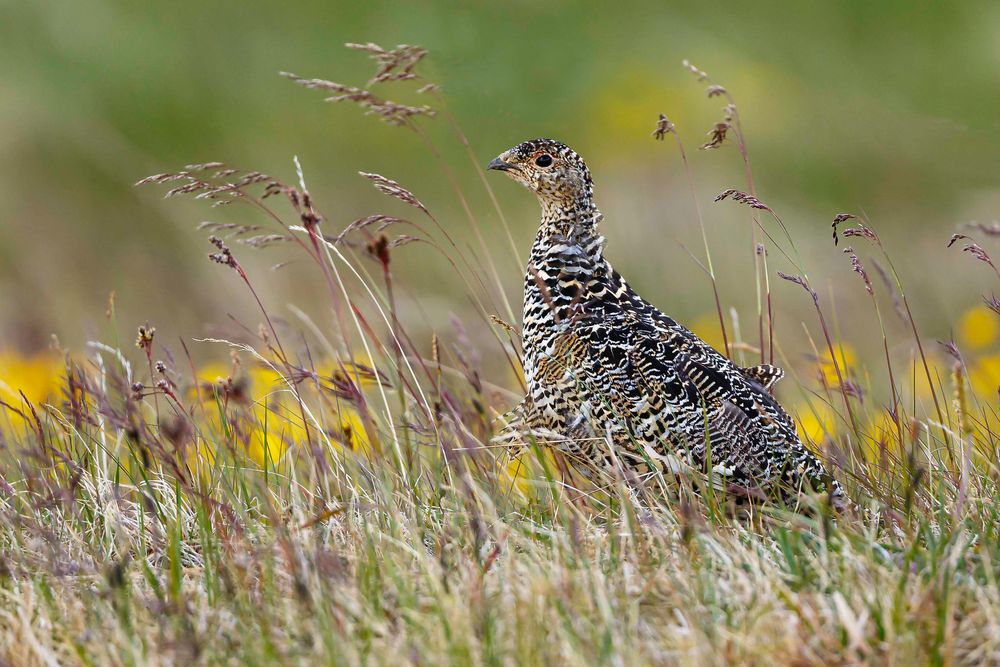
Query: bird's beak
[{"x": 498, "y": 164}]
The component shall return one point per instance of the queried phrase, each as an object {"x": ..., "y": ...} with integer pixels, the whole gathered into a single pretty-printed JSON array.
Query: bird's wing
[
  {"x": 764, "y": 374},
  {"x": 676, "y": 390}
]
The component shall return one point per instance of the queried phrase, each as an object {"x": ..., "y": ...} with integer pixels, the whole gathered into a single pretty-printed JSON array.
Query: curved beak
[{"x": 498, "y": 164}]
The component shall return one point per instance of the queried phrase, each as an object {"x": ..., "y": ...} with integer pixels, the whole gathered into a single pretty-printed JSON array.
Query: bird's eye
[{"x": 544, "y": 160}]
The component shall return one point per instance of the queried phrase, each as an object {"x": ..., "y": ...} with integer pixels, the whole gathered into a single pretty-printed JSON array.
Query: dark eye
[{"x": 544, "y": 160}]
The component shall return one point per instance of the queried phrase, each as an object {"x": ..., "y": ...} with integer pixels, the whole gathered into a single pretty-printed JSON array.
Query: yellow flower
[
  {"x": 267, "y": 384},
  {"x": 38, "y": 377},
  {"x": 271, "y": 433},
  {"x": 241, "y": 384},
  {"x": 984, "y": 376},
  {"x": 263, "y": 415},
  {"x": 214, "y": 372},
  {"x": 979, "y": 327},
  {"x": 515, "y": 474},
  {"x": 262, "y": 434},
  {"x": 882, "y": 434},
  {"x": 211, "y": 375},
  {"x": 524, "y": 474},
  {"x": 815, "y": 422},
  {"x": 360, "y": 370},
  {"x": 352, "y": 433},
  {"x": 845, "y": 360}
]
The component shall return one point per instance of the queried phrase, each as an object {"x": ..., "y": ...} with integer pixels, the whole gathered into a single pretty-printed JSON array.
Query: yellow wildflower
[
  {"x": 979, "y": 327},
  {"x": 984, "y": 376},
  {"x": 271, "y": 433},
  {"x": 352, "y": 433},
  {"x": 38, "y": 377},
  {"x": 521, "y": 474},
  {"x": 815, "y": 422},
  {"x": 360, "y": 369},
  {"x": 845, "y": 360},
  {"x": 882, "y": 435},
  {"x": 266, "y": 383},
  {"x": 214, "y": 372}
]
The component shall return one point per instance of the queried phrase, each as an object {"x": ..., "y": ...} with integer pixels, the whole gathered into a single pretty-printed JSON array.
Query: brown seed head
[
  {"x": 393, "y": 189},
  {"x": 144, "y": 339},
  {"x": 663, "y": 126}
]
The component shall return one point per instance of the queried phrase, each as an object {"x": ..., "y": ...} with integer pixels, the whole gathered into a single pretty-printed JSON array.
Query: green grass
[{"x": 354, "y": 565}]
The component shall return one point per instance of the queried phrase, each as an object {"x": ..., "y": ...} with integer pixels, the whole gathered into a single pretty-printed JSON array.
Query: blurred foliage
[{"x": 887, "y": 107}]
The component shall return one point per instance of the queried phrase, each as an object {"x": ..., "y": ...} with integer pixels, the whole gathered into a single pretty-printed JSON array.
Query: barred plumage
[{"x": 613, "y": 380}]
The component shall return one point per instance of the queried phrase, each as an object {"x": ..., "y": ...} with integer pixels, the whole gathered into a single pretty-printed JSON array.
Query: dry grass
[{"x": 333, "y": 497}]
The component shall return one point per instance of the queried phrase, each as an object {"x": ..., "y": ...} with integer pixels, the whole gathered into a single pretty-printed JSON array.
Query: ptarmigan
[{"x": 614, "y": 381}]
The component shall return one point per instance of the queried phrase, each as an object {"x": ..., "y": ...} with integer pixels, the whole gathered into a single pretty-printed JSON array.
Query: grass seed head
[{"x": 663, "y": 126}]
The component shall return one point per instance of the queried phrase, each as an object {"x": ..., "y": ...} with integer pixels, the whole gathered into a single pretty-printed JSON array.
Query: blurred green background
[{"x": 890, "y": 108}]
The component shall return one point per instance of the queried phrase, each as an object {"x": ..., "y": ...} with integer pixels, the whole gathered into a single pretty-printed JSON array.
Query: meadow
[{"x": 320, "y": 486}]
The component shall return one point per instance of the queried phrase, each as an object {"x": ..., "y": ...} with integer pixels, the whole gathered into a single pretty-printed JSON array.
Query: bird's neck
[
  {"x": 567, "y": 261},
  {"x": 568, "y": 222}
]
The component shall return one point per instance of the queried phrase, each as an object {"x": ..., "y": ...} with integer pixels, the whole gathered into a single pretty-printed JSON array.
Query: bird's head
[{"x": 551, "y": 169}]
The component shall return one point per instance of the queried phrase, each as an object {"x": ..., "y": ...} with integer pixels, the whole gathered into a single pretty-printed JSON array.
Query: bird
[{"x": 615, "y": 382}]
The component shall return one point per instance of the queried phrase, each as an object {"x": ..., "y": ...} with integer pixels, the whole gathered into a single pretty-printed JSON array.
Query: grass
[{"x": 331, "y": 495}]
